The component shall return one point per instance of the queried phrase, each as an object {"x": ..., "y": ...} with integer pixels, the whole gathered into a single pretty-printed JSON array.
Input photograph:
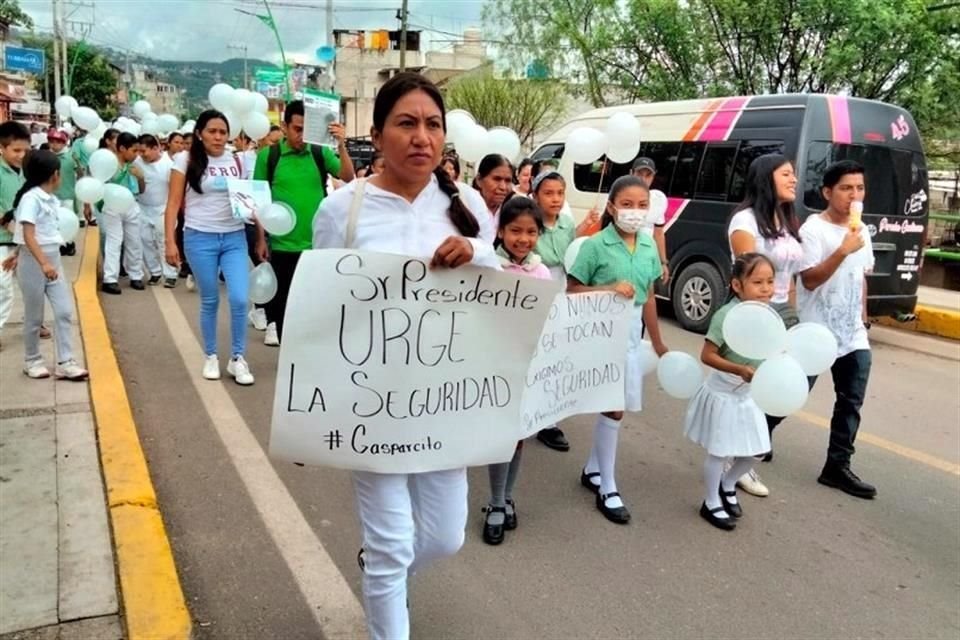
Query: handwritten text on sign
[
  {"x": 580, "y": 360},
  {"x": 389, "y": 366}
]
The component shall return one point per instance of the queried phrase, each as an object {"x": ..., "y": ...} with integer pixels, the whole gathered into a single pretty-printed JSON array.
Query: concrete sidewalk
[{"x": 57, "y": 572}]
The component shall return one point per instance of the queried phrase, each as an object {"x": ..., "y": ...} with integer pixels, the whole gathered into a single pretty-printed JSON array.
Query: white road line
[{"x": 334, "y": 606}]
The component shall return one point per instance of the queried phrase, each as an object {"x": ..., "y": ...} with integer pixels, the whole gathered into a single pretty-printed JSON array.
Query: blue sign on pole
[{"x": 20, "y": 59}]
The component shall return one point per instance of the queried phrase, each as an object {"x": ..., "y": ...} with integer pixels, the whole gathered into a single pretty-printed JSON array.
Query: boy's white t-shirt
[
  {"x": 156, "y": 175},
  {"x": 657, "y": 216},
  {"x": 210, "y": 211},
  {"x": 41, "y": 209},
  {"x": 785, "y": 252},
  {"x": 838, "y": 302}
]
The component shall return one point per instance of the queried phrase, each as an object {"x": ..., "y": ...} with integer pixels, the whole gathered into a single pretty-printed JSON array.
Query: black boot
[{"x": 839, "y": 476}]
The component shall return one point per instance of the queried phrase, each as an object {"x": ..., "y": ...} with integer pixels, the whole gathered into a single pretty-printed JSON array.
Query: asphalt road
[{"x": 806, "y": 562}]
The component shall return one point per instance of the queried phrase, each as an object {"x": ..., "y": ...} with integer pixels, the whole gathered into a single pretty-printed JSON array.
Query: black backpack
[{"x": 273, "y": 159}]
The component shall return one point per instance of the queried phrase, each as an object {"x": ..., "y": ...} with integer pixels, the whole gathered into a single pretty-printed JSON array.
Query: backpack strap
[
  {"x": 321, "y": 163},
  {"x": 354, "y": 214},
  {"x": 273, "y": 159}
]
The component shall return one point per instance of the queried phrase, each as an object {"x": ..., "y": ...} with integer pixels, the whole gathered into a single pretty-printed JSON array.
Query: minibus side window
[
  {"x": 664, "y": 154},
  {"x": 688, "y": 166},
  {"x": 749, "y": 151},
  {"x": 715, "y": 171}
]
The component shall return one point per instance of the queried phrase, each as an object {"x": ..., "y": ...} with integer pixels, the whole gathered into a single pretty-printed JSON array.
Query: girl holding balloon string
[
  {"x": 623, "y": 259},
  {"x": 722, "y": 417}
]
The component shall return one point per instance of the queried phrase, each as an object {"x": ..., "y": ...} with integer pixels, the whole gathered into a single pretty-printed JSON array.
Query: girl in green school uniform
[{"x": 623, "y": 259}]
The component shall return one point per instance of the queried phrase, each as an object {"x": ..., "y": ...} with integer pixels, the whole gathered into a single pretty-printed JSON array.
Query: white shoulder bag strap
[{"x": 354, "y": 214}]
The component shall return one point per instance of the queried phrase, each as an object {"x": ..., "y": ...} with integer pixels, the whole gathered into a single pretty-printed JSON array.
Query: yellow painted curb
[
  {"x": 930, "y": 320},
  {"x": 153, "y": 603}
]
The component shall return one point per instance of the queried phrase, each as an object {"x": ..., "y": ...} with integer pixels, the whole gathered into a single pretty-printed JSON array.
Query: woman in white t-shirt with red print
[
  {"x": 766, "y": 222},
  {"x": 213, "y": 239}
]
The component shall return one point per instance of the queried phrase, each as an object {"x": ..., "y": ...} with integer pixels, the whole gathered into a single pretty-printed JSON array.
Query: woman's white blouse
[{"x": 388, "y": 223}]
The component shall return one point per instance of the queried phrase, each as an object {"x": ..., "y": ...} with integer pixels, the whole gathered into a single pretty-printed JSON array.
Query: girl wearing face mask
[{"x": 623, "y": 259}]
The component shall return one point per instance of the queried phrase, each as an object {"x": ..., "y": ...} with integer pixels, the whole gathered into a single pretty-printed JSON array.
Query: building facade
[{"x": 163, "y": 97}]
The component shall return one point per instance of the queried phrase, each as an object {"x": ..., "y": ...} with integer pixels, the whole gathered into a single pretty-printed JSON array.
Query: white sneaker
[
  {"x": 36, "y": 370},
  {"x": 271, "y": 339},
  {"x": 750, "y": 482},
  {"x": 258, "y": 319},
  {"x": 191, "y": 283},
  {"x": 240, "y": 370},
  {"x": 211, "y": 368},
  {"x": 71, "y": 370}
]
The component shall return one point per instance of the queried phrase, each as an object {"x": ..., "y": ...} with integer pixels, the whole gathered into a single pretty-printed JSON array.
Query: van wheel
[{"x": 697, "y": 293}]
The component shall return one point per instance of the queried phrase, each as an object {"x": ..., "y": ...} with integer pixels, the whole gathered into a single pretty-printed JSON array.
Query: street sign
[{"x": 20, "y": 59}]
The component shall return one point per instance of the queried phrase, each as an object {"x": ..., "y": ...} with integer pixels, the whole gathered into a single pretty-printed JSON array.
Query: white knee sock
[
  {"x": 739, "y": 468},
  {"x": 712, "y": 476},
  {"x": 605, "y": 436}
]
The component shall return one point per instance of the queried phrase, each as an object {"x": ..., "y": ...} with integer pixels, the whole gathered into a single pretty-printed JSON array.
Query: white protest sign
[
  {"x": 393, "y": 367},
  {"x": 580, "y": 361},
  {"x": 320, "y": 110}
]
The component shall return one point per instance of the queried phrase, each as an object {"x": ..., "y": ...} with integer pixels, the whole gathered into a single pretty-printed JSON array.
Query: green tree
[
  {"x": 92, "y": 80},
  {"x": 626, "y": 50},
  {"x": 526, "y": 106},
  {"x": 13, "y": 15}
]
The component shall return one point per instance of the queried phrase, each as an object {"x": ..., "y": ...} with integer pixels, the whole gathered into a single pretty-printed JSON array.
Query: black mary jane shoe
[
  {"x": 510, "y": 523},
  {"x": 493, "y": 533},
  {"x": 554, "y": 439},
  {"x": 587, "y": 484},
  {"x": 732, "y": 509},
  {"x": 727, "y": 524},
  {"x": 619, "y": 515}
]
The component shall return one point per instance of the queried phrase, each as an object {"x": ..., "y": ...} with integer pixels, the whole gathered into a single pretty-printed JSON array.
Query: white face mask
[{"x": 631, "y": 220}]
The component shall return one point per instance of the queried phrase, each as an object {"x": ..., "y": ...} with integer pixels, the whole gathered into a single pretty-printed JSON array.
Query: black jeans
[
  {"x": 284, "y": 265},
  {"x": 850, "y": 376}
]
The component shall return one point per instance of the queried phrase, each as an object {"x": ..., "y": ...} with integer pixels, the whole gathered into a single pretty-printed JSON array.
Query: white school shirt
[
  {"x": 838, "y": 302},
  {"x": 41, "y": 209},
  {"x": 785, "y": 252},
  {"x": 156, "y": 176},
  {"x": 388, "y": 223},
  {"x": 210, "y": 211}
]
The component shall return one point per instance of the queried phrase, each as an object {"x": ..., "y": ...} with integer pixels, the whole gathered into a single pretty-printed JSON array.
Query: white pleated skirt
[
  {"x": 633, "y": 376},
  {"x": 724, "y": 419}
]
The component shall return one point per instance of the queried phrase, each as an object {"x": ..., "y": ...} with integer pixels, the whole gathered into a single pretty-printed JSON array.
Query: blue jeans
[{"x": 210, "y": 254}]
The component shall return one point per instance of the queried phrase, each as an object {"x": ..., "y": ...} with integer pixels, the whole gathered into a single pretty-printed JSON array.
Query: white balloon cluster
[
  {"x": 473, "y": 141},
  {"x": 620, "y": 142},
  {"x": 245, "y": 110},
  {"x": 779, "y": 387}
]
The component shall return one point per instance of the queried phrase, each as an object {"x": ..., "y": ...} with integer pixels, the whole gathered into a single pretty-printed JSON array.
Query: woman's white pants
[{"x": 406, "y": 521}]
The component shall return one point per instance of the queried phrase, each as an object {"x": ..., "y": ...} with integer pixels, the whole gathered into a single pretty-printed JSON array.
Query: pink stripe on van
[
  {"x": 723, "y": 120},
  {"x": 840, "y": 119}
]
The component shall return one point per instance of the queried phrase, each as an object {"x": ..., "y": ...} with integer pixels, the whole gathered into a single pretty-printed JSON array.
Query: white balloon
[
  {"x": 149, "y": 116},
  {"x": 85, "y": 118},
  {"x": 141, "y": 108},
  {"x": 134, "y": 128},
  {"x": 458, "y": 121},
  {"x": 623, "y": 126},
  {"x": 755, "y": 331},
  {"x": 234, "y": 124},
  {"x": 89, "y": 190},
  {"x": 472, "y": 143},
  {"x": 189, "y": 125},
  {"x": 256, "y": 125},
  {"x": 623, "y": 152},
  {"x": 648, "y": 357},
  {"x": 504, "y": 141},
  {"x": 570, "y": 257},
  {"x": 242, "y": 102},
  {"x": 117, "y": 199},
  {"x": 586, "y": 145},
  {"x": 65, "y": 105},
  {"x": 780, "y": 386},
  {"x": 263, "y": 283},
  {"x": 278, "y": 219},
  {"x": 221, "y": 96},
  {"x": 813, "y": 346},
  {"x": 68, "y": 223},
  {"x": 103, "y": 164},
  {"x": 679, "y": 374},
  {"x": 261, "y": 104},
  {"x": 152, "y": 127},
  {"x": 91, "y": 143},
  {"x": 99, "y": 130},
  {"x": 168, "y": 122}
]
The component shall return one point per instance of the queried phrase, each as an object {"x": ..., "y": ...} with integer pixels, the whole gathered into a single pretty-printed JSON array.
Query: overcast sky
[{"x": 202, "y": 29}]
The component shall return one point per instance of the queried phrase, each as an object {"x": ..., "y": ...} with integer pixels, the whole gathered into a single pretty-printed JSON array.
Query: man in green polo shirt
[
  {"x": 296, "y": 179},
  {"x": 57, "y": 140}
]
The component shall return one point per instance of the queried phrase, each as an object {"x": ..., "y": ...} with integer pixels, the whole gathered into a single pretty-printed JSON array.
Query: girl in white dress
[{"x": 722, "y": 417}]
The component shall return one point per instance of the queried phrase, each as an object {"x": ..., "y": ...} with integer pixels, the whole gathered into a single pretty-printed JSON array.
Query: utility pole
[
  {"x": 77, "y": 19},
  {"x": 329, "y": 24},
  {"x": 403, "y": 35},
  {"x": 56, "y": 51},
  {"x": 243, "y": 48}
]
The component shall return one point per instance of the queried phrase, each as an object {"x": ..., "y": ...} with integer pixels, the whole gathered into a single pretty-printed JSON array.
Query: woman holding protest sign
[
  {"x": 766, "y": 222},
  {"x": 623, "y": 259},
  {"x": 407, "y": 520}
]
